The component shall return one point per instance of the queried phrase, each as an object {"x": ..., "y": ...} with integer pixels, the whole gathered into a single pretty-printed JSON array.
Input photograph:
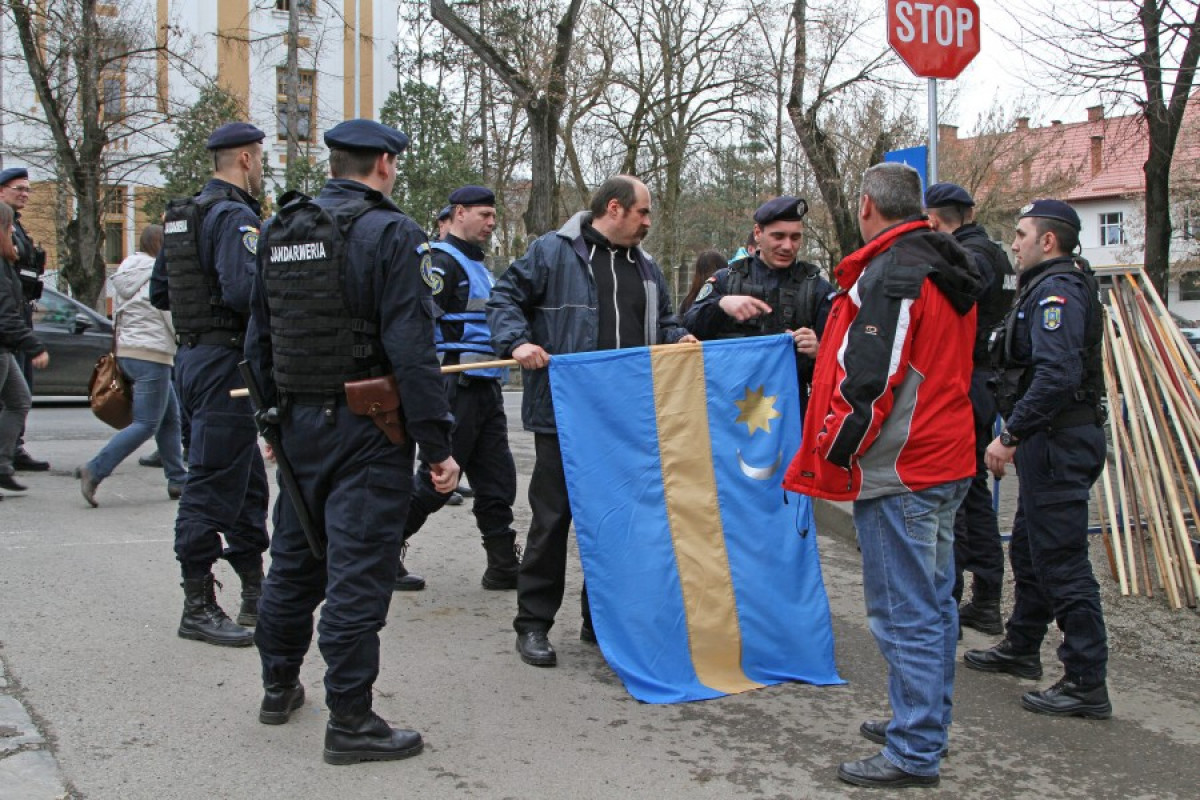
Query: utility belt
[
  {"x": 1078, "y": 415},
  {"x": 231, "y": 339}
]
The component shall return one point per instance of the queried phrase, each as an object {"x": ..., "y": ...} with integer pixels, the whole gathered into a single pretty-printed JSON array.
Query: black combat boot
[
  {"x": 503, "y": 560},
  {"x": 1071, "y": 698},
  {"x": 251, "y": 591},
  {"x": 367, "y": 737},
  {"x": 407, "y": 581},
  {"x": 983, "y": 611},
  {"x": 204, "y": 620},
  {"x": 1005, "y": 658},
  {"x": 279, "y": 701}
]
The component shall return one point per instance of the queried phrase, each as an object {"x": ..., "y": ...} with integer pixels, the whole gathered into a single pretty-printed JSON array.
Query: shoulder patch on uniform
[
  {"x": 1054, "y": 298},
  {"x": 705, "y": 290},
  {"x": 1052, "y": 318},
  {"x": 249, "y": 238},
  {"x": 431, "y": 277}
]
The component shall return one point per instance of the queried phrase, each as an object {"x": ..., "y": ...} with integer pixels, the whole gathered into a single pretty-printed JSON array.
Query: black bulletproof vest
[
  {"x": 194, "y": 288},
  {"x": 792, "y": 302},
  {"x": 1014, "y": 377},
  {"x": 997, "y": 298},
  {"x": 317, "y": 343}
]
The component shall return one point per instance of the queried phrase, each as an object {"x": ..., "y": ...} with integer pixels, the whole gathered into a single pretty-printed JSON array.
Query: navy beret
[
  {"x": 11, "y": 174},
  {"x": 234, "y": 134},
  {"x": 781, "y": 209},
  {"x": 1052, "y": 209},
  {"x": 444, "y": 213},
  {"x": 472, "y": 196},
  {"x": 366, "y": 134},
  {"x": 945, "y": 194}
]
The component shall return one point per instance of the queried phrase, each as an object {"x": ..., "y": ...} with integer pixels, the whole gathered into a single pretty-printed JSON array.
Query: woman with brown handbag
[
  {"x": 15, "y": 337},
  {"x": 145, "y": 349}
]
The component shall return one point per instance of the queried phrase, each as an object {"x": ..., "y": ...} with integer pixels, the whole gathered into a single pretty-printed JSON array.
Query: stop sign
[{"x": 935, "y": 38}]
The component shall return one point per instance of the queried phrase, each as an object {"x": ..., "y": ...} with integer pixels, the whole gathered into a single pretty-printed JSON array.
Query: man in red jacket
[{"x": 890, "y": 426}]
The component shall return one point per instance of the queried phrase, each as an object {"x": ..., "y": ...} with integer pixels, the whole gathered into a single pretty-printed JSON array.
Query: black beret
[
  {"x": 781, "y": 209},
  {"x": 366, "y": 134},
  {"x": 472, "y": 196},
  {"x": 11, "y": 174},
  {"x": 1052, "y": 209},
  {"x": 444, "y": 213},
  {"x": 234, "y": 134},
  {"x": 946, "y": 194}
]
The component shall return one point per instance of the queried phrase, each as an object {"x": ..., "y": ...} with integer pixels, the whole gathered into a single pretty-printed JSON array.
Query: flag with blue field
[{"x": 702, "y": 573}]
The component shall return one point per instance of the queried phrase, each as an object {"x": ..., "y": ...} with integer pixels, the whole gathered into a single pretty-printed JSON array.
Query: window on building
[
  {"x": 1112, "y": 230},
  {"x": 1189, "y": 286},
  {"x": 114, "y": 201},
  {"x": 306, "y": 97},
  {"x": 114, "y": 242},
  {"x": 1188, "y": 225},
  {"x": 305, "y": 6},
  {"x": 112, "y": 97}
]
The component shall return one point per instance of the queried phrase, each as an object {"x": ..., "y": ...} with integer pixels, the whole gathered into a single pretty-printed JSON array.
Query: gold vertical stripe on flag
[{"x": 690, "y": 488}]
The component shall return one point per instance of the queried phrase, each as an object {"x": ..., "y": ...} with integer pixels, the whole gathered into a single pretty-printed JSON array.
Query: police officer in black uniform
[
  {"x": 770, "y": 291},
  {"x": 30, "y": 266},
  {"x": 343, "y": 294},
  {"x": 462, "y": 284},
  {"x": 204, "y": 275},
  {"x": 1050, "y": 349},
  {"x": 977, "y": 547}
]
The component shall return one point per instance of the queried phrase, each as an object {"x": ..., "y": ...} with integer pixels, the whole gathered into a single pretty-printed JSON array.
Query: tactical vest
[
  {"x": 792, "y": 302},
  {"x": 316, "y": 342},
  {"x": 475, "y": 343},
  {"x": 997, "y": 299},
  {"x": 1013, "y": 378},
  {"x": 197, "y": 306},
  {"x": 31, "y": 263}
]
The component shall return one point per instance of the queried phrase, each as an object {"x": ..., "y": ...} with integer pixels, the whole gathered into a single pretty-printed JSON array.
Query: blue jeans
[
  {"x": 155, "y": 413},
  {"x": 14, "y": 407},
  {"x": 907, "y": 543}
]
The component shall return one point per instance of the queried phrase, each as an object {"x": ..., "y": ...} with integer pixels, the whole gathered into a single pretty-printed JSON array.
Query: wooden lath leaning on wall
[{"x": 1150, "y": 488}]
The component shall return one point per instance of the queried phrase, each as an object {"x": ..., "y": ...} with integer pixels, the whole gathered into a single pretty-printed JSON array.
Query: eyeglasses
[{"x": 20, "y": 189}]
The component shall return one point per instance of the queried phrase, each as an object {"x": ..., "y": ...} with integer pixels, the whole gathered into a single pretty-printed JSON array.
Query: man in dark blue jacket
[
  {"x": 204, "y": 275},
  {"x": 587, "y": 286},
  {"x": 343, "y": 294}
]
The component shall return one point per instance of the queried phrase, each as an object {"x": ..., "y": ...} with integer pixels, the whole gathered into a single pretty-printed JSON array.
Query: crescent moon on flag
[{"x": 759, "y": 473}]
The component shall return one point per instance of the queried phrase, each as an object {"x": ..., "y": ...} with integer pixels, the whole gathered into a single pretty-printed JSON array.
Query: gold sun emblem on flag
[{"x": 757, "y": 410}]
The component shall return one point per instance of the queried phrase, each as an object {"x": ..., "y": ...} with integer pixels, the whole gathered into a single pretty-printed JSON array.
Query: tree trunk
[
  {"x": 540, "y": 215},
  {"x": 1158, "y": 219}
]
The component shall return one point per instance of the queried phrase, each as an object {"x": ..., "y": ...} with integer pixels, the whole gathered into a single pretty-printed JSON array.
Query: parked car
[{"x": 76, "y": 337}]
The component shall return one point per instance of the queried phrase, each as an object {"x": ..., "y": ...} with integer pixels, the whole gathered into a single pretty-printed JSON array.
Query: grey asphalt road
[{"x": 89, "y": 602}]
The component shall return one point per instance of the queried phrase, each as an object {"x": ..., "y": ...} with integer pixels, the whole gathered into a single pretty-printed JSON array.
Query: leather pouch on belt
[{"x": 379, "y": 399}]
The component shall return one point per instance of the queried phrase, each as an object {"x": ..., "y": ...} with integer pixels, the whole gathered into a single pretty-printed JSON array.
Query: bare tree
[
  {"x": 824, "y": 73},
  {"x": 93, "y": 78},
  {"x": 1142, "y": 52},
  {"x": 542, "y": 95}
]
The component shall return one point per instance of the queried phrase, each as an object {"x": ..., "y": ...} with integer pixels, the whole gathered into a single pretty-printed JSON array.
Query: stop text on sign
[{"x": 950, "y": 26}]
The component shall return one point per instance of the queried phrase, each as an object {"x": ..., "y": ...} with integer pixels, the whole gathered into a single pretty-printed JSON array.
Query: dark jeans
[
  {"x": 977, "y": 547},
  {"x": 1049, "y": 549},
  {"x": 356, "y": 484},
  {"x": 542, "y": 579},
  {"x": 480, "y": 446},
  {"x": 226, "y": 489}
]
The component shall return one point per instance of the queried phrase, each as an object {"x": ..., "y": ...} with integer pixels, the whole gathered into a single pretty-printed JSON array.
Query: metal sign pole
[{"x": 933, "y": 132}]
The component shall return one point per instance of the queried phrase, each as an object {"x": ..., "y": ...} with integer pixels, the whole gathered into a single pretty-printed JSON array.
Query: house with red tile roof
[{"x": 1096, "y": 166}]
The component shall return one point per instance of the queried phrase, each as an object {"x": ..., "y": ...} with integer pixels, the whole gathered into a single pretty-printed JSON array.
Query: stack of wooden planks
[{"x": 1149, "y": 494}]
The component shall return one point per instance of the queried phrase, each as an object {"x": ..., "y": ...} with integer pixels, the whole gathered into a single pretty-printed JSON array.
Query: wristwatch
[{"x": 1007, "y": 439}]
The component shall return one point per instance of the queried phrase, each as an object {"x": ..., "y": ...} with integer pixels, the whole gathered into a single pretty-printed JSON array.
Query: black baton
[{"x": 270, "y": 431}]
